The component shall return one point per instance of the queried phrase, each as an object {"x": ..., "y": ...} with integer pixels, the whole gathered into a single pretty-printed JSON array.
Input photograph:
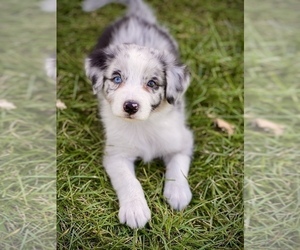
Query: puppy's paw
[
  {"x": 177, "y": 193},
  {"x": 135, "y": 213}
]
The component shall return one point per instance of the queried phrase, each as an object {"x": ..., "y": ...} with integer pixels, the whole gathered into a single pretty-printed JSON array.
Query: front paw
[
  {"x": 135, "y": 213},
  {"x": 177, "y": 193}
]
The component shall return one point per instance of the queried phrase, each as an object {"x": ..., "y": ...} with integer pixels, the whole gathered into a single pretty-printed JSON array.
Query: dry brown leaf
[
  {"x": 60, "y": 105},
  {"x": 224, "y": 126},
  {"x": 7, "y": 105},
  {"x": 267, "y": 125}
]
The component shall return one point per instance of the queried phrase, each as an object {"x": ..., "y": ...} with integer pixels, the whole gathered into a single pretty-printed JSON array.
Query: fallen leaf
[
  {"x": 60, "y": 105},
  {"x": 224, "y": 126},
  {"x": 7, "y": 105},
  {"x": 268, "y": 126}
]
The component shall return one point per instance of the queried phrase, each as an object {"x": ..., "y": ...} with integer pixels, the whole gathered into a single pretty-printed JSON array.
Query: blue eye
[
  {"x": 117, "y": 79},
  {"x": 151, "y": 84}
]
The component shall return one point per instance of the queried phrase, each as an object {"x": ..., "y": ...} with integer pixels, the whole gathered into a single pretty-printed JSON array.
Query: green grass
[
  {"x": 272, "y": 183},
  {"x": 27, "y": 133},
  {"x": 210, "y": 35}
]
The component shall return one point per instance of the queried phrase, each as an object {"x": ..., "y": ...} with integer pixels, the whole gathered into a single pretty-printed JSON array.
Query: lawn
[
  {"x": 210, "y": 36},
  {"x": 27, "y": 132},
  {"x": 272, "y": 175}
]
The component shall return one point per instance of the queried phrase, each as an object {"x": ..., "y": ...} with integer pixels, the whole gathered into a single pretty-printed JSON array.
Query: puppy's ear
[
  {"x": 94, "y": 75},
  {"x": 95, "y": 66},
  {"x": 178, "y": 80}
]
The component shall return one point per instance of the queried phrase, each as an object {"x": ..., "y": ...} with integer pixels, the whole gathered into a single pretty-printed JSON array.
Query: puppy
[
  {"x": 50, "y": 66},
  {"x": 50, "y": 62},
  {"x": 48, "y": 5},
  {"x": 139, "y": 81}
]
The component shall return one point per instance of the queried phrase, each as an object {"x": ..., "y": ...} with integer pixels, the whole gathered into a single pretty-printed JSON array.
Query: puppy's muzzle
[{"x": 131, "y": 107}]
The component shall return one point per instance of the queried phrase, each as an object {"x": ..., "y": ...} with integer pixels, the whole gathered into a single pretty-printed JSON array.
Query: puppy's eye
[
  {"x": 117, "y": 79},
  {"x": 151, "y": 84}
]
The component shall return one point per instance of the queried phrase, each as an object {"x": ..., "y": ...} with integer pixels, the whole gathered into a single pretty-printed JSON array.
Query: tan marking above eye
[{"x": 145, "y": 87}]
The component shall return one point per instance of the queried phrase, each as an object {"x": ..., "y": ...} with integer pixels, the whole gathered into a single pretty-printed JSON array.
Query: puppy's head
[{"x": 136, "y": 81}]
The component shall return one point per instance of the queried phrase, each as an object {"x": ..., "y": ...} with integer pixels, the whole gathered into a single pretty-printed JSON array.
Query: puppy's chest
[
  {"x": 154, "y": 143},
  {"x": 147, "y": 142}
]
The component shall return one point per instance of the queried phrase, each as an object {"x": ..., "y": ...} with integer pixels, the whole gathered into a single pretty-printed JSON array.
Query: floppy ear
[
  {"x": 95, "y": 65},
  {"x": 178, "y": 80},
  {"x": 94, "y": 75}
]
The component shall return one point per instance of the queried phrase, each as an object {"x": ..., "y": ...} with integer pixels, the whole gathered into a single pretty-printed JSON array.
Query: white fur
[
  {"x": 50, "y": 67},
  {"x": 134, "y": 6},
  {"x": 48, "y": 5},
  {"x": 149, "y": 133}
]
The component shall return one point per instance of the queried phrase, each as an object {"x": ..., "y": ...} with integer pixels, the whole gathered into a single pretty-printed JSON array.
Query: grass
[
  {"x": 272, "y": 186},
  {"x": 210, "y": 35},
  {"x": 27, "y": 133}
]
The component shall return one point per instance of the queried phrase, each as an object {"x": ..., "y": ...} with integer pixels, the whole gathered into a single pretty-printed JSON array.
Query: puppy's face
[{"x": 136, "y": 81}]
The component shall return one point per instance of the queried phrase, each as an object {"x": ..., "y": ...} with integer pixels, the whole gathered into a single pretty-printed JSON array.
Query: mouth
[
  {"x": 131, "y": 118},
  {"x": 138, "y": 116},
  {"x": 127, "y": 117}
]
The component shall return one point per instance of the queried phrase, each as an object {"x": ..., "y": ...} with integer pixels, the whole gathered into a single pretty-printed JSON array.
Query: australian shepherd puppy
[{"x": 139, "y": 80}]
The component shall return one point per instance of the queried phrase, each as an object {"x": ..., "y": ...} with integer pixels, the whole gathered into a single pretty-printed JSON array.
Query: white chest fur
[{"x": 164, "y": 133}]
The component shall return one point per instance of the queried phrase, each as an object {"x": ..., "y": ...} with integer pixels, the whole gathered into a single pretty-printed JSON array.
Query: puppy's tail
[{"x": 135, "y": 7}]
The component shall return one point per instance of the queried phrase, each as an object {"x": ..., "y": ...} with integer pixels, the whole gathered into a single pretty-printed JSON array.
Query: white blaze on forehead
[{"x": 136, "y": 64}]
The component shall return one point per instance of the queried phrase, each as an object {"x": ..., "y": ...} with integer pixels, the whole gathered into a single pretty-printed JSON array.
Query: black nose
[{"x": 131, "y": 107}]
